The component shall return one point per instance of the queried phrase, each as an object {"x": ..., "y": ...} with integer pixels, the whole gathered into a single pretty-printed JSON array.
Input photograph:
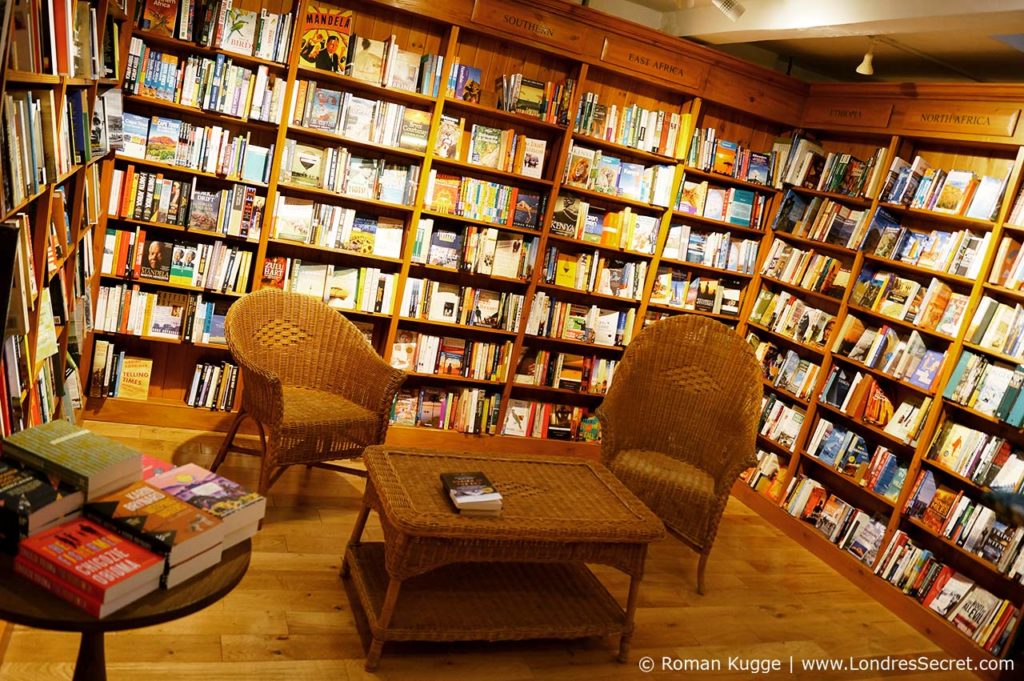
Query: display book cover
[
  {"x": 240, "y": 510},
  {"x": 472, "y": 493},
  {"x": 83, "y": 459},
  {"x": 163, "y": 524},
  {"x": 89, "y": 566},
  {"x": 30, "y": 501}
]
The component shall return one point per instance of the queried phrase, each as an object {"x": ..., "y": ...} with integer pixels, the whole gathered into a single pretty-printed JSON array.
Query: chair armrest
[
  {"x": 732, "y": 473},
  {"x": 364, "y": 378},
  {"x": 262, "y": 395}
]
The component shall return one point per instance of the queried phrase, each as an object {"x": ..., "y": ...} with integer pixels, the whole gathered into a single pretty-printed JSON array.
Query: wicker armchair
[
  {"x": 316, "y": 389},
  {"x": 679, "y": 423}
]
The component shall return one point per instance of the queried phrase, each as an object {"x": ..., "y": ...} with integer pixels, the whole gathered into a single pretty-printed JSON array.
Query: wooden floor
[{"x": 291, "y": 619}]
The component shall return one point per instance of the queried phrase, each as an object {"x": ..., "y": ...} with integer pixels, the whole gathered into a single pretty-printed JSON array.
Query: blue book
[
  {"x": 958, "y": 373},
  {"x": 832, "y": 445}
]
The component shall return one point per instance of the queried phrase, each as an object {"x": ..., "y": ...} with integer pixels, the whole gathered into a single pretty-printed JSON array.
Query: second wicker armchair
[
  {"x": 316, "y": 389},
  {"x": 679, "y": 423}
]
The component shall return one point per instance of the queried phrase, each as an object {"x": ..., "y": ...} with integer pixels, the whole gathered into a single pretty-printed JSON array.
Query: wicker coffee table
[{"x": 439, "y": 576}]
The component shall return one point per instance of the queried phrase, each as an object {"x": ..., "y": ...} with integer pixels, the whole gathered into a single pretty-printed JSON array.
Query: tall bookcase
[{"x": 951, "y": 127}]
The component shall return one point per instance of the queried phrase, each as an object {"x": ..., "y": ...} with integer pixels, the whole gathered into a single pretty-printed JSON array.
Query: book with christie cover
[{"x": 239, "y": 509}]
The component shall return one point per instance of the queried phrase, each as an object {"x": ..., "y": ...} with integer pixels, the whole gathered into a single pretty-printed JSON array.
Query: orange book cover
[
  {"x": 158, "y": 521},
  {"x": 938, "y": 510}
]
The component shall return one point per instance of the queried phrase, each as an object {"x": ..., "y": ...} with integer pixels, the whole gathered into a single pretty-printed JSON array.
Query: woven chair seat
[
  {"x": 306, "y": 408},
  {"x": 671, "y": 488}
]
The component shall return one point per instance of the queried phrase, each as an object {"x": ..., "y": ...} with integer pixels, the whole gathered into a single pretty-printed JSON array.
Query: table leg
[
  {"x": 624, "y": 640},
  {"x": 91, "y": 664},
  {"x": 357, "y": 534},
  {"x": 386, "y": 612}
]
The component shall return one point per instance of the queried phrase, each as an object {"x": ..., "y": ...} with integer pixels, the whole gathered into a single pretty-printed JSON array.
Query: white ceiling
[{"x": 913, "y": 40}]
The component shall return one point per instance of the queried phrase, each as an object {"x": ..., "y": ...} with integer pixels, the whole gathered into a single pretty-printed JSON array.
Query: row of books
[
  {"x": 863, "y": 398},
  {"x": 954, "y": 192},
  {"x": 846, "y": 526},
  {"x": 378, "y": 62},
  {"x": 682, "y": 290},
  {"x": 712, "y": 154},
  {"x": 482, "y": 200},
  {"x": 960, "y": 253},
  {"x": 594, "y": 272},
  {"x": 987, "y": 619},
  {"x": 651, "y": 130},
  {"x": 967, "y": 523},
  {"x": 998, "y": 326},
  {"x": 527, "y": 418},
  {"x": 210, "y": 83},
  {"x": 711, "y": 249},
  {"x": 464, "y": 305},
  {"x": 236, "y": 211},
  {"x": 765, "y": 476},
  {"x": 780, "y": 422},
  {"x": 1008, "y": 266},
  {"x": 847, "y": 452},
  {"x": 821, "y": 219},
  {"x": 465, "y": 410},
  {"x": 484, "y": 250},
  {"x": 577, "y": 219},
  {"x": 787, "y": 315},
  {"x": 366, "y": 289},
  {"x": 596, "y": 171},
  {"x": 305, "y": 221},
  {"x": 902, "y": 298},
  {"x": 743, "y": 207},
  {"x": 210, "y": 149},
  {"x": 450, "y": 356},
  {"x": 988, "y": 387},
  {"x": 988, "y": 460},
  {"x": 338, "y": 170},
  {"x": 58, "y": 38},
  {"x": 16, "y": 377},
  {"x": 214, "y": 386},
  {"x": 547, "y": 100},
  {"x": 166, "y": 314},
  {"x": 359, "y": 118},
  {"x": 506, "y": 150},
  {"x": 810, "y": 166},
  {"x": 145, "y": 525},
  {"x": 217, "y": 23},
  {"x": 552, "y": 318},
  {"x": 117, "y": 374},
  {"x": 808, "y": 269},
  {"x": 565, "y": 371},
  {"x": 29, "y": 132},
  {"x": 785, "y": 369},
  {"x": 883, "y": 349}
]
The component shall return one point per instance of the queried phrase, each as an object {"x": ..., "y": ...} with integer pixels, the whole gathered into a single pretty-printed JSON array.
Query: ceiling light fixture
[
  {"x": 866, "y": 68},
  {"x": 730, "y": 8}
]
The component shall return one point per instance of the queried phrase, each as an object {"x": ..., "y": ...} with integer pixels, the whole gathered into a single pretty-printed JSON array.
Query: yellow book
[
  {"x": 565, "y": 270},
  {"x": 685, "y": 135},
  {"x": 135, "y": 375}
]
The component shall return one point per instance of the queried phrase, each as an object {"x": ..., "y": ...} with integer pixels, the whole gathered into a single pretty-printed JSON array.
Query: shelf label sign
[
  {"x": 961, "y": 118},
  {"x": 529, "y": 23},
  {"x": 652, "y": 61},
  {"x": 860, "y": 115}
]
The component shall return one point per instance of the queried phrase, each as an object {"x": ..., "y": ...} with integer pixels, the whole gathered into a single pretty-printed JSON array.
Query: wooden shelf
[
  {"x": 163, "y": 339},
  {"x": 815, "y": 296},
  {"x": 168, "y": 167},
  {"x": 167, "y": 284},
  {"x": 168, "y": 43},
  {"x": 853, "y": 201},
  {"x": 878, "y": 373},
  {"x": 765, "y": 441},
  {"x": 612, "y": 199},
  {"x": 29, "y": 78},
  {"x": 184, "y": 229},
  {"x": 478, "y": 223},
  {"x": 461, "y": 107},
  {"x": 876, "y": 432},
  {"x": 933, "y": 216},
  {"x": 658, "y": 307},
  {"x": 460, "y": 327},
  {"x": 965, "y": 481},
  {"x": 814, "y": 243},
  {"x": 719, "y": 178},
  {"x": 465, "y": 275},
  {"x": 455, "y": 378},
  {"x": 208, "y": 116},
  {"x": 344, "y": 82},
  {"x": 548, "y": 390},
  {"x": 792, "y": 342},
  {"x": 472, "y": 168},
  {"x": 335, "y": 138},
  {"x": 334, "y": 198},
  {"x": 805, "y": 401},
  {"x": 567, "y": 342},
  {"x": 565, "y": 290},
  {"x": 725, "y": 274},
  {"x": 616, "y": 148},
  {"x": 717, "y": 224},
  {"x": 991, "y": 352},
  {"x": 892, "y": 321},
  {"x": 369, "y": 257},
  {"x": 848, "y": 482},
  {"x": 588, "y": 245},
  {"x": 1018, "y": 296},
  {"x": 26, "y": 202},
  {"x": 916, "y": 269}
]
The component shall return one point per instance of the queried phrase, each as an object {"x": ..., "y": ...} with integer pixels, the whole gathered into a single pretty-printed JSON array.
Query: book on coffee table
[{"x": 472, "y": 493}]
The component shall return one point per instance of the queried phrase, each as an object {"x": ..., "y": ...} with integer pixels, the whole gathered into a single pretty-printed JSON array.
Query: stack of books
[
  {"x": 472, "y": 494},
  {"x": 100, "y": 525}
]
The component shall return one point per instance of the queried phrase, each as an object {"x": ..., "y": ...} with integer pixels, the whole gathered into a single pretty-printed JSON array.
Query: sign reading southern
[
  {"x": 529, "y": 23},
  {"x": 653, "y": 61},
  {"x": 854, "y": 114},
  {"x": 962, "y": 118}
]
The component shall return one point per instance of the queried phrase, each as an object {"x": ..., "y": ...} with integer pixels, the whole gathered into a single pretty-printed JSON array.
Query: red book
[{"x": 97, "y": 564}]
